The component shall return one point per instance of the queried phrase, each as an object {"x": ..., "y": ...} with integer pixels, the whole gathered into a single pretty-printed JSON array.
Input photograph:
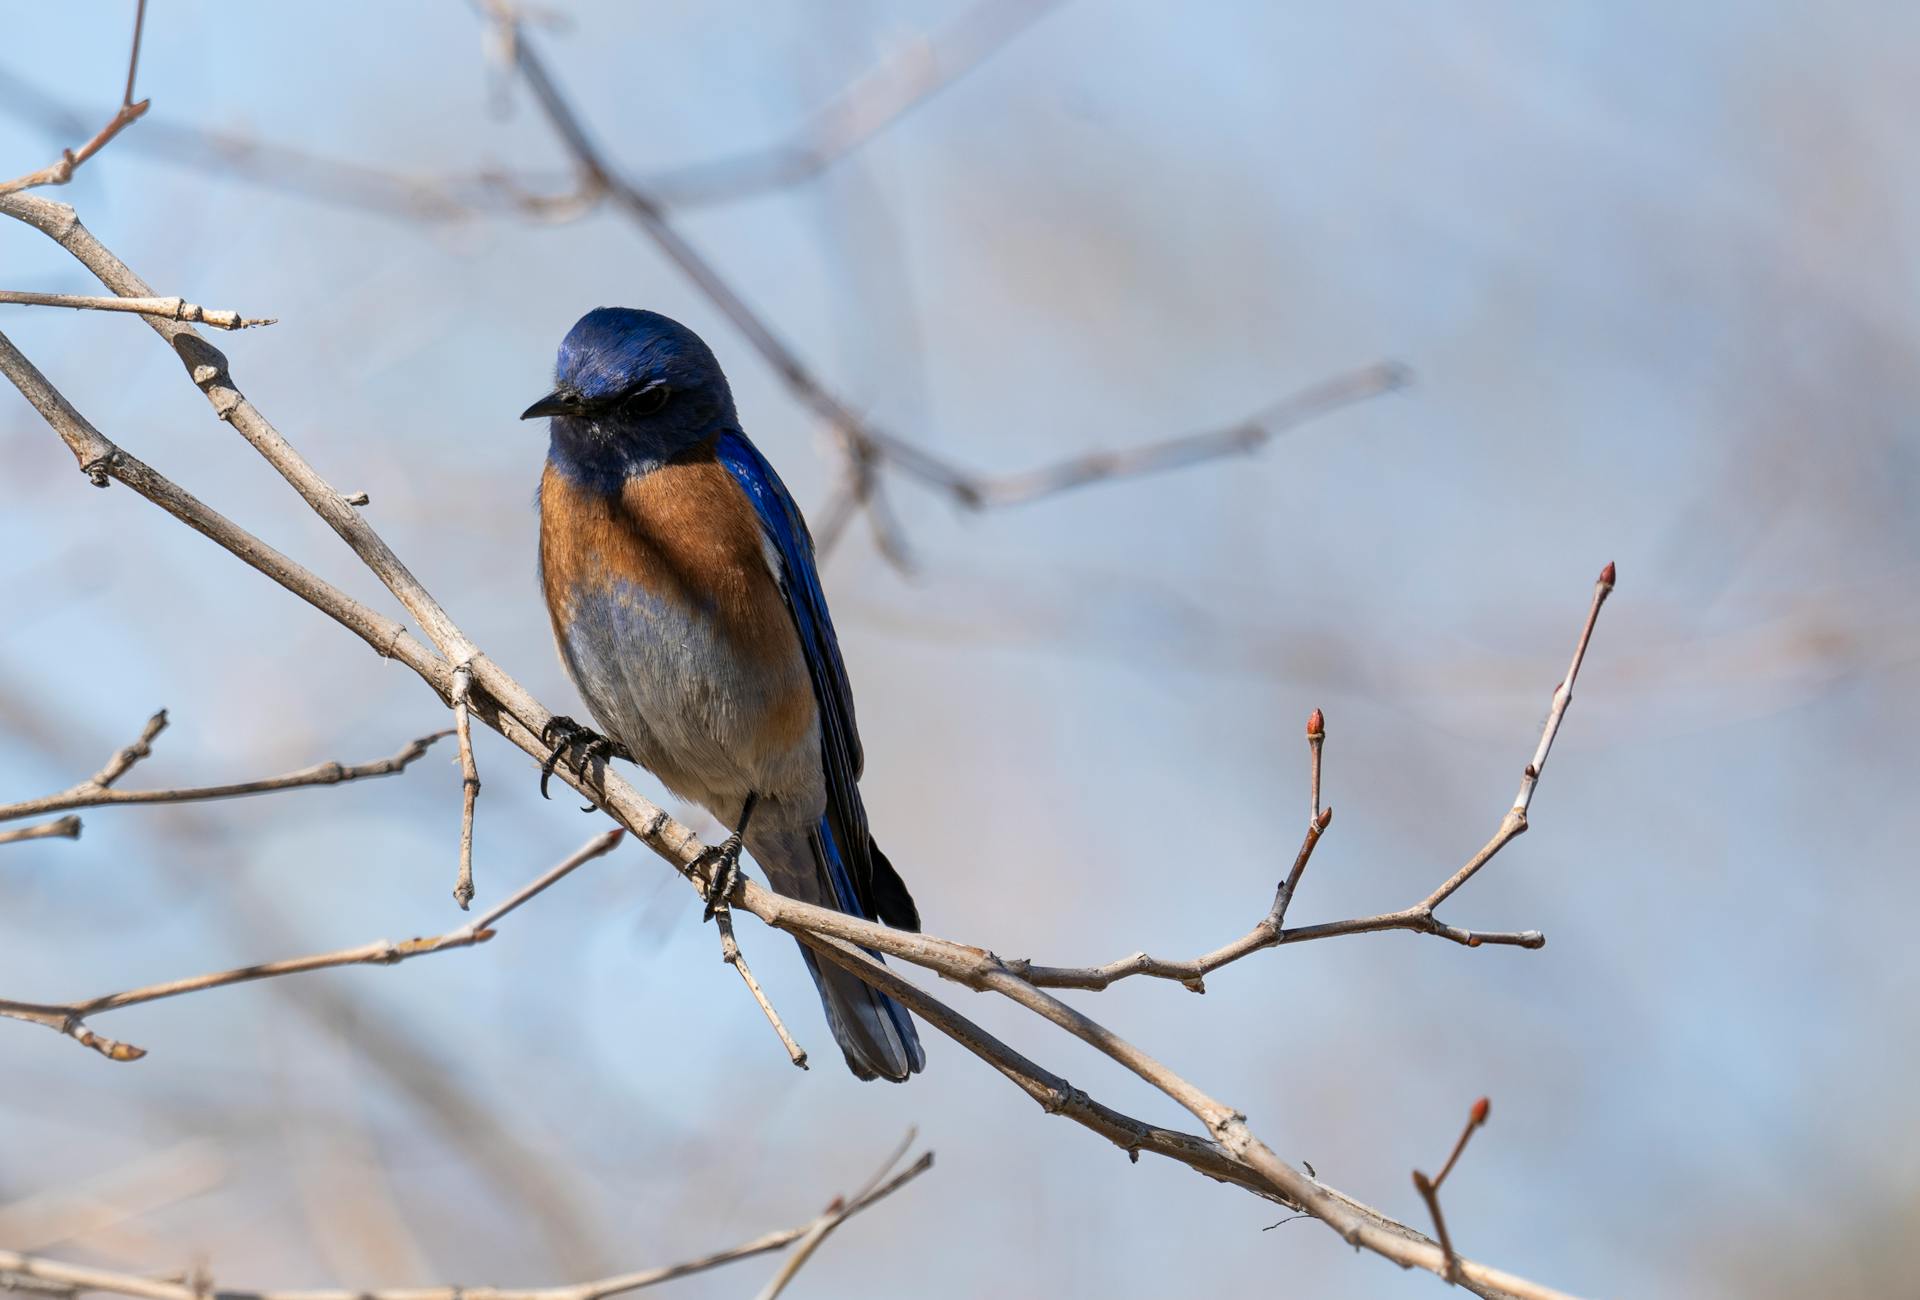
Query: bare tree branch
[
  {"x": 28, "y": 1272},
  {"x": 1231, "y": 1152},
  {"x": 69, "y": 1018},
  {"x": 171, "y": 308},
  {"x": 96, "y": 791},
  {"x": 59, "y": 173}
]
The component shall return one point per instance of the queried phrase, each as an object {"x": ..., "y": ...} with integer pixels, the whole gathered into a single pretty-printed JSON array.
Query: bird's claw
[
  {"x": 725, "y": 860},
  {"x": 564, "y": 736}
]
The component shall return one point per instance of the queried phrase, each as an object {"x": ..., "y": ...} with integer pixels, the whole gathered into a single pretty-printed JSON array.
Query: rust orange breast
[{"x": 686, "y": 536}]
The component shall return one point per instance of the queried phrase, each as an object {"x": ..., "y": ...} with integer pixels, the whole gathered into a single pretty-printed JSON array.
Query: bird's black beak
[{"x": 558, "y": 402}]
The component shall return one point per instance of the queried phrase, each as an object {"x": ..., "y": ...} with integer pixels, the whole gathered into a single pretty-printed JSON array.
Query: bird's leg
[
  {"x": 726, "y": 859},
  {"x": 564, "y": 736}
]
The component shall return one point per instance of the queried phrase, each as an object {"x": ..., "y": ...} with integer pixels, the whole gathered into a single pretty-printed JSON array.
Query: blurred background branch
[{"x": 29, "y": 1273}]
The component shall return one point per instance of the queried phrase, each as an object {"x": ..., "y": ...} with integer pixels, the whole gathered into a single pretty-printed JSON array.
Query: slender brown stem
[
  {"x": 730, "y": 954},
  {"x": 70, "y": 1017},
  {"x": 96, "y": 791},
  {"x": 60, "y": 172}
]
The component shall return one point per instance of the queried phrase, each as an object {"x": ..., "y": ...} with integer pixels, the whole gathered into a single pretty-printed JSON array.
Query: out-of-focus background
[{"x": 1655, "y": 269}]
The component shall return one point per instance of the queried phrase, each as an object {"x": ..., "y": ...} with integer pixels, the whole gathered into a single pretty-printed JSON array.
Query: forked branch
[{"x": 61, "y": 171}]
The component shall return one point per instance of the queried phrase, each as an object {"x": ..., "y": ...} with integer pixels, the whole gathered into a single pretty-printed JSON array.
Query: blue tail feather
[{"x": 849, "y": 902}]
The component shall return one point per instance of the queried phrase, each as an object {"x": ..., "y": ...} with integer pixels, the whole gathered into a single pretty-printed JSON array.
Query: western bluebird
[{"x": 681, "y": 582}]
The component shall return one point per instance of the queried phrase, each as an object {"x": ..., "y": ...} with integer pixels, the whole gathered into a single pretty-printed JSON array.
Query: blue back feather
[{"x": 845, "y": 827}]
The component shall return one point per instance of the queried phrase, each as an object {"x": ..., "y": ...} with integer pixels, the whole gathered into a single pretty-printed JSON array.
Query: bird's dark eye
[{"x": 650, "y": 400}]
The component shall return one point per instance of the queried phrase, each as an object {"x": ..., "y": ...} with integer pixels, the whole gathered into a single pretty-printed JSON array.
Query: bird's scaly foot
[
  {"x": 564, "y": 736},
  {"x": 725, "y": 860}
]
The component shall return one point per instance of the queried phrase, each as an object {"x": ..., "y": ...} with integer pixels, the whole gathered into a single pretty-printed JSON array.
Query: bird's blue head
[{"x": 631, "y": 389}]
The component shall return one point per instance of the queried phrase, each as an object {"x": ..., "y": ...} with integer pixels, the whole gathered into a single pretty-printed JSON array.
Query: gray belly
[{"x": 663, "y": 681}]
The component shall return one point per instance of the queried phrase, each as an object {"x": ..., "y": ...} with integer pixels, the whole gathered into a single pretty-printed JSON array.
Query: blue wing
[{"x": 860, "y": 873}]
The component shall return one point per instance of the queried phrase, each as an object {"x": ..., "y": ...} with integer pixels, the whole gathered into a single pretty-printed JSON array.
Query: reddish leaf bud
[
  {"x": 1606, "y": 576},
  {"x": 1316, "y": 725},
  {"x": 1480, "y": 1109}
]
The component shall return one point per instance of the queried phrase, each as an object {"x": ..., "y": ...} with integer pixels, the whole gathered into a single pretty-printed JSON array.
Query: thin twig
[
  {"x": 1429, "y": 1188},
  {"x": 59, "y": 173},
  {"x": 1515, "y": 822},
  {"x": 1431, "y": 1196},
  {"x": 836, "y": 1214},
  {"x": 1475, "y": 1118},
  {"x": 73, "y": 1279},
  {"x": 70, "y": 1017},
  {"x": 731, "y": 955},
  {"x": 133, "y": 59},
  {"x": 171, "y": 308},
  {"x": 96, "y": 791},
  {"x": 1418, "y": 918},
  {"x": 67, "y": 828},
  {"x": 469, "y": 782}
]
